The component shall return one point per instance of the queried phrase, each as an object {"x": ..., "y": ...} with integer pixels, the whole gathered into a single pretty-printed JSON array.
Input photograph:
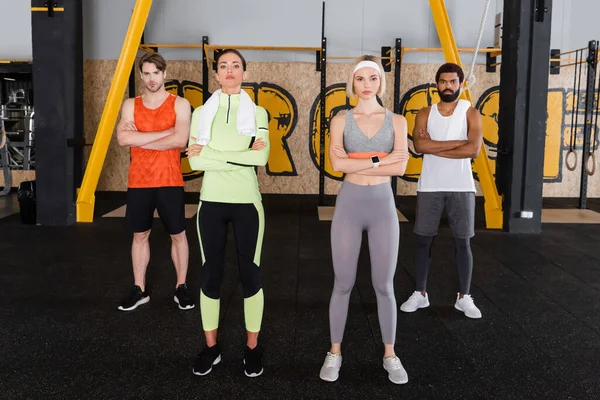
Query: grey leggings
[{"x": 359, "y": 208}]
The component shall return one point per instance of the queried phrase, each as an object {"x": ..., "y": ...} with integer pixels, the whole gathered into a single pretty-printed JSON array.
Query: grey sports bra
[{"x": 355, "y": 141}]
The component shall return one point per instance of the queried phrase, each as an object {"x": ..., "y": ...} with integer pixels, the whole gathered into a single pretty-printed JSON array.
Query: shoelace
[
  {"x": 395, "y": 363},
  {"x": 331, "y": 361},
  {"x": 468, "y": 300},
  {"x": 417, "y": 296}
]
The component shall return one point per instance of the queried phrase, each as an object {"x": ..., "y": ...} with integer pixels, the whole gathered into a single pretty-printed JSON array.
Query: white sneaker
[
  {"x": 467, "y": 306},
  {"x": 330, "y": 371},
  {"x": 396, "y": 372},
  {"x": 414, "y": 302}
]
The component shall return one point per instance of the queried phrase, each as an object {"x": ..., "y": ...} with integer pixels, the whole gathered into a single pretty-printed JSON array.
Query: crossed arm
[
  {"x": 205, "y": 158},
  {"x": 172, "y": 138},
  {"x": 450, "y": 148},
  {"x": 393, "y": 164}
]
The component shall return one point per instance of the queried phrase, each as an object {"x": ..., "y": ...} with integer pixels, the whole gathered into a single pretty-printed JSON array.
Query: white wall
[
  {"x": 353, "y": 27},
  {"x": 15, "y": 30}
]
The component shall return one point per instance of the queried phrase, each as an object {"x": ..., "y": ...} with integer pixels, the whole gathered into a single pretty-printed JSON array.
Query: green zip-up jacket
[{"x": 227, "y": 161}]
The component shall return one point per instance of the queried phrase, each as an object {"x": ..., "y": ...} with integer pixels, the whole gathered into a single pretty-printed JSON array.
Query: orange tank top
[{"x": 154, "y": 168}]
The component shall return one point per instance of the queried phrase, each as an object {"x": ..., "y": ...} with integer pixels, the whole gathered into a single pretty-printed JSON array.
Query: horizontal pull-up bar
[
  {"x": 355, "y": 57},
  {"x": 14, "y": 61},
  {"x": 173, "y": 45},
  {"x": 568, "y": 65},
  {"x": 556, "y": 59},
  {"x": 261, "y": 48},
  {"x": 214, "y": 47},
  {"x": 563, "y": 59},
  {"x": 148, "y": 46},
  {"x": 220, "y": 47},
  {"x": 572, "y": 51},
  {"x": 436, "y": 49}
]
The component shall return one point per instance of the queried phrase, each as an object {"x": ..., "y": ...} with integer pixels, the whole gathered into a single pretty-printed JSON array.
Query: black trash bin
[{"x": 26, "y": 196}]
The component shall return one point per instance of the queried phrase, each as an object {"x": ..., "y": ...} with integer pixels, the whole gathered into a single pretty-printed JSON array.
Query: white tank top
[{"x": 440, "y": 174}]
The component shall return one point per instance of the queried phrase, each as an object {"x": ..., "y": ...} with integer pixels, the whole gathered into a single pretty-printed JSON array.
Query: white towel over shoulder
[{"x": 246, "y": 117}]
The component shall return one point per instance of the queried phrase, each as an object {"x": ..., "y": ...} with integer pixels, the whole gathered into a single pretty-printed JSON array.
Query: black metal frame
[
  {"x": 205, "y": 71},
  {"x": 592, "y": 65},
  {"x": 397, "y": 80},
  {"x": 322, "y": 110},
  {"x": 554, "y": 65},
  {"x": 523, "y": 109},
  {"x": 59, "y": 104},
  {"x": 490, "y": 61}
]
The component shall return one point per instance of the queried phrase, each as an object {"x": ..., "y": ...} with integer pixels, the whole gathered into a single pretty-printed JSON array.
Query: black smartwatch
[{"x": 375, "y": 161}]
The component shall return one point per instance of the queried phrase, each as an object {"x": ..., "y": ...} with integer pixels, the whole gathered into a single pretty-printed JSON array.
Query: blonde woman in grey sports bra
[{"x": 369, "y": 145}]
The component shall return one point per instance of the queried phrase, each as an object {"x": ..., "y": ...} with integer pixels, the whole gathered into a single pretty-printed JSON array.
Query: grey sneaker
[
  {"x": 414, "y": 302},
  {"x": 467, "y": 306},
  {"x": 396, "y": 372},
  {"x": 330, "y": 371}
]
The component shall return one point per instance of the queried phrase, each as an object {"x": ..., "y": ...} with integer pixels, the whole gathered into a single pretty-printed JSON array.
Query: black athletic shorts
[{"x": 168, "y": 201}]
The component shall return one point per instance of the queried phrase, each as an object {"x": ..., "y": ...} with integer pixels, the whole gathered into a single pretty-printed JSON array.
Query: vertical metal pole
[
  {"x": 523, "y": 113},
  {"x": 396, "y": 108},
  {"x": 592, "y": 64},
  {"x": 322, "y": 111},
  {"x": 205, "y": 70},
  {"x": 132, "y": 88}
]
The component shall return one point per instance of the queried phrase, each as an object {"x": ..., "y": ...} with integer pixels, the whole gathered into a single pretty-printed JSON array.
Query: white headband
[{"x": 367, "y": 64}]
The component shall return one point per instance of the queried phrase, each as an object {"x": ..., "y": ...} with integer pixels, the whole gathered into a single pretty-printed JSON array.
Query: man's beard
[
  {"x": 449, "y": 98},
  {"x": 156, "y": 88}
]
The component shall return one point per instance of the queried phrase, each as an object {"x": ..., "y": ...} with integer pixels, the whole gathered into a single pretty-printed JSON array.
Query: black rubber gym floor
[{"x": 62, "y": 336}]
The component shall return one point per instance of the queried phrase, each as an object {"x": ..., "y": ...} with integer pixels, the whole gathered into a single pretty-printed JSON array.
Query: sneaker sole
[
  {"x": 402, "y": 382},
  {"x": 418, "y": 308},
  {"x": 253, "y": 375},
  {"x": 463, "y": 311},
  {"x": 133, "y": 307},
  {"x": 179, "y": 305},
  {"x": 398, "y": 383},
  {"x": 217, "y": 360},
  {"x": 329, "y": 380}
]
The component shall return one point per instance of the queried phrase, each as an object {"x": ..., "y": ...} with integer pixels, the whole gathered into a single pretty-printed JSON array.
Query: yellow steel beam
[
  {"x": 493, "y": 202},
  {"x": 38, "y": 9},
  {"x": 14, "y": 61},
  {"x": 85, "y": 196}
]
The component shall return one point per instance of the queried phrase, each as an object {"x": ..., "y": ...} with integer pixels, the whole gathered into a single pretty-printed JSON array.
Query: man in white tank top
[{"x": 448, "y": 134}]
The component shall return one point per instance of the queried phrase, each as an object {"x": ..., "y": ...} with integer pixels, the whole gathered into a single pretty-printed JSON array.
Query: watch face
[{"x": 375, "y": 159}]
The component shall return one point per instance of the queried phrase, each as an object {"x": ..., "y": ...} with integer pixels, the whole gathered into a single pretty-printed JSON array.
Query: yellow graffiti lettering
[
  {"x": 489, "y": 104},
  {"x": 283, "y": 116},
  {"x": 335, "y": 102},
  {"x": 193, "y": 93},
  {"x": 416, "y": 99}
]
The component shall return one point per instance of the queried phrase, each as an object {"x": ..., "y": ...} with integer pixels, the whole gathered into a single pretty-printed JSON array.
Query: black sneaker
[
  {"x": 206, "y": 359},
  {"x": 183, "y": 297},
  {"x": 253, "y": 362},
  {"x": 134, "y": 299}
]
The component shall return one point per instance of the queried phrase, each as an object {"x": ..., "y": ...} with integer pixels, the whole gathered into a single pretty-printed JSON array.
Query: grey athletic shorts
[{"x": 460, "y": 208}]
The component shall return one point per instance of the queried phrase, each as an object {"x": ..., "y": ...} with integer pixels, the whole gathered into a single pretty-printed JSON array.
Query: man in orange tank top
[{"x": 155, "y": 126}]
